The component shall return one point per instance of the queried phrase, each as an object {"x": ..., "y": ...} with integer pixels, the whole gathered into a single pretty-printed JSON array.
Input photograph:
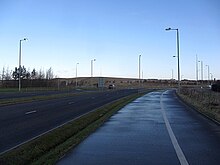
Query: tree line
[{"x": 7, "y": 74}]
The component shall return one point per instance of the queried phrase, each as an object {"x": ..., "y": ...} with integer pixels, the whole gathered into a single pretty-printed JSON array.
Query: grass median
[{"x": 49, "y": 148}]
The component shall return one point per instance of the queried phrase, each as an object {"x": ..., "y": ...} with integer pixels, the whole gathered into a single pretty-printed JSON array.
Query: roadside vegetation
[
  {"x": 49, "y": 148},
  {"x": 204, "y": 100}
]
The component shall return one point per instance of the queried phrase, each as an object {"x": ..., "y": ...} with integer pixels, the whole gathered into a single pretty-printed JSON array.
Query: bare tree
[
  {"x": 41, "y": 74},
  {"x": 49, "y": 74},
  {"x": 3, "y": 73},
  {"x": 8, "y": 74}
]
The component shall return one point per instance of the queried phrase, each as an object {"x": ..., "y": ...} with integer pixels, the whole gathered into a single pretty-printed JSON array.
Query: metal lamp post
[
  {"x": 178, "y": 55},
  {"x": 92, "y": 66},
  {"x": 202, "y": 71},
  {"x": 139, "y": 70},
  {"x": 211, "y": 77},
  {"x": 76, "y": 73},
  {"x": 197, "y": 77},
  {"x": 19, "y": 79},
  {"x": 208, "y": 73}
]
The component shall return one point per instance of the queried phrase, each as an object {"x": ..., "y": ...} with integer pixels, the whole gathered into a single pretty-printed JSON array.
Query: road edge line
[{"x": 174, "y": 141}]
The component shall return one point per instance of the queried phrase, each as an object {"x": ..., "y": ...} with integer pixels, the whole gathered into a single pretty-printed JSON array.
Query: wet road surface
[
  {"x": 13, "y": 95},
  {"x": 154, "y": 129},
  {"x": 20, "y": 123}
]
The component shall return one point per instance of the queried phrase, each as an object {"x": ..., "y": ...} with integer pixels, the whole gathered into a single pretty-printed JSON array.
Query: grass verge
[
  {"x": 49, "y": 148},
  {"x": 205, "y": 101}
]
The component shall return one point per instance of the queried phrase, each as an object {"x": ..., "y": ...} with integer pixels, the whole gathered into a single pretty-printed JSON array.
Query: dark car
[{"x": 111, "y": 86}]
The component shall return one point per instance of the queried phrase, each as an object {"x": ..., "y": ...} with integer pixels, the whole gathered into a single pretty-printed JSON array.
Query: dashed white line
[
  {"x": 174, "y": 141},
  {"x": 30, "y": 112},
  {"x": 71, "y": 103}
]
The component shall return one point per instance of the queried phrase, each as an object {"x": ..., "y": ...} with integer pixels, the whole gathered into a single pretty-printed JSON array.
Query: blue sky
[{"x": 62, "y": 33}]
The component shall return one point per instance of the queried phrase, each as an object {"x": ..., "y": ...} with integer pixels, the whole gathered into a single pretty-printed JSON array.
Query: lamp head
[{"x": 168, "y": 29}]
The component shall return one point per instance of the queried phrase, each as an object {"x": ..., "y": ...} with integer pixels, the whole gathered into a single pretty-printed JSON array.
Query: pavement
[
  {"x": 156, "y": 129},
  {"x": 20, "y": 123}
]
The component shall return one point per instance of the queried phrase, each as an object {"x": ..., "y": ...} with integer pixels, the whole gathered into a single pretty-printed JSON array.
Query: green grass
[{"x": 49, "y": 148}]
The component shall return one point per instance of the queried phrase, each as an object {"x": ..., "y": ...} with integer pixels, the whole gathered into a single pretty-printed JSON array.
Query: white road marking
[
  {"x": 174, "y": 141},
  {"x": 30, "y": 112},
  {"x": 71, "y": 102},
  {"x": 35, "y": 137}
]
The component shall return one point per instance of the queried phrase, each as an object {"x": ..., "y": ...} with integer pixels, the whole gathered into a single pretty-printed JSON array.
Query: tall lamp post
[
  {"x": 76, "y": 73},
  {"x": 208, "y": 73},
  {"x": 202, "y": 71},
  {"x": 92, "y": 66},
  {"x": 139, "y": 70},
  {"x": 197, "y": 77},
  {"x": 19, "y": 79},
  {"x": 178, "y": 55},
  {"x": 211, "y": 77}
]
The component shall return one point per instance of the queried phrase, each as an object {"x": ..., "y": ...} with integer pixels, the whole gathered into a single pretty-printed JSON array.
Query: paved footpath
[{"x": 156, "y": 129}]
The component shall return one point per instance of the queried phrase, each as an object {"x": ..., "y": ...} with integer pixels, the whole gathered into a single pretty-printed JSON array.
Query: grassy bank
[
  {"x": 49, "y": 148},
  {"x": 204, "y": 100}
]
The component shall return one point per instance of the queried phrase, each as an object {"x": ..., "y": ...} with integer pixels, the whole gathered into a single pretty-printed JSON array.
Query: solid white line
[
  {"x": 174, "y": 141},
  {"x": 27, "y": 113},
  {"x": 59, "y": 126}
]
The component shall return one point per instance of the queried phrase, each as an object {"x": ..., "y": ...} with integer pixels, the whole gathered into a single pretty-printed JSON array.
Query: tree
[
  {"x": 49, "y": 74},
  {"x": 41, "y": 74},
  {"x": 8, "y": 74},
  {"x": 3, "y": 73},
  {"x": 33, "y": 74},
  {"x": 15, "y": 73},
  {"x": 24, "y": 73}
]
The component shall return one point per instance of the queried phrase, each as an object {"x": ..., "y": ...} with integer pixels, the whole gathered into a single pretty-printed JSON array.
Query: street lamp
[
  {"x": 172, "y": 74},
  {"x": 76, "y": 73},
  {"x": 92, "y": 66},
  {"x": 202, "y": 71},
  {"x": 139, "y": 70},
  {"x": 197, "y": 77},
  {"x": 211, "y": 77},
  {"x": 178, "y": 55},
  {"x": 19, "y": 79},
  {"x": 208, "y": 72}
]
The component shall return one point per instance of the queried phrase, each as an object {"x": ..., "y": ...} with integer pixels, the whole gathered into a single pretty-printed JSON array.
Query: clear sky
[{"x": 62, "y": 33}]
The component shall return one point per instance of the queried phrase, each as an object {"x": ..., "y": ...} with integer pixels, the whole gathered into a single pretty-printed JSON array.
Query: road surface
[
  {"x": 156, "y": 129},
  {"x": 22, "y": 122},
  {"x": 10, "y": 95}
]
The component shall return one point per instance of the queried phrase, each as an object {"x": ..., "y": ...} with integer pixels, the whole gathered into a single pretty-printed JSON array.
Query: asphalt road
[
  {"x": 22, "y": 122},
  {"x": 10, "y": 95},
  {"x": 156, "y": 129}
]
